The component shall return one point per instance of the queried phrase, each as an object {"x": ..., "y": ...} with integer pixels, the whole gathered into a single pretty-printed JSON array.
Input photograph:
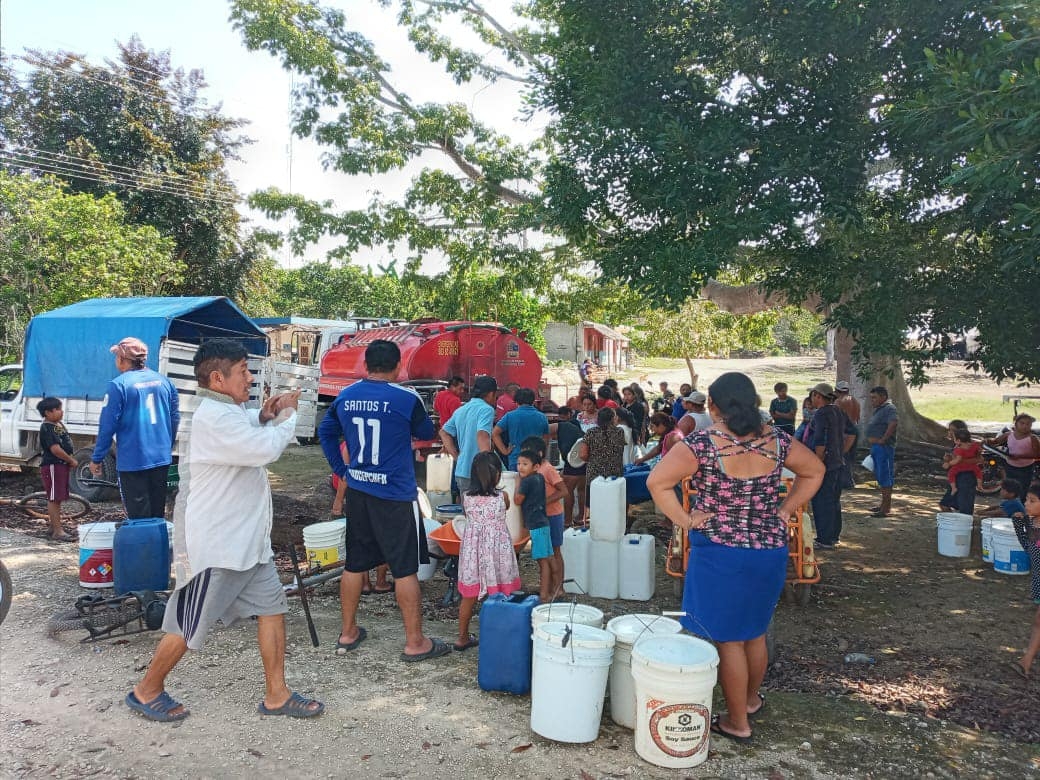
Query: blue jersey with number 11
[{"x": 378, "y": 421}]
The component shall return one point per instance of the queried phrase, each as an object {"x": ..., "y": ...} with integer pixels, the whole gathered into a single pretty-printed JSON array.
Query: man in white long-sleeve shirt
[{"x": 222, "y": 533}]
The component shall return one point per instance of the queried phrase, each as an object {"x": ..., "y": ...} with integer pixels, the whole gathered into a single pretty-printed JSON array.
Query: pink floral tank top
[{"x": 744, "y": 509}]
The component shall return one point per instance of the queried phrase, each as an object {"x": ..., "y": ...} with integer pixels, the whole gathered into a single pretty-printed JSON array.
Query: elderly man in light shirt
[{"x": 223, "y": 560}]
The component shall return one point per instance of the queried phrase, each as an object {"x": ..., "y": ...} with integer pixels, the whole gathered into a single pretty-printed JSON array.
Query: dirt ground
[{"x": 937, "y": 702}]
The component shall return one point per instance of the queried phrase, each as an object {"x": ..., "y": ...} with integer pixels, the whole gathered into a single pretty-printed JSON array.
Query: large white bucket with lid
[
  {"x": 561, "y": 612},
  {"x": 576, "y": 553},
  {"x": 627, "y": 630},
  {"x": 569, "y": 680},
  {"x": 674, "y": 677},
  {"x": 438, "y": 472},
  {"x": 636, "y": 570},
  {"x": 607, "y": 496},
  {"x": 95, "y": 554},
  {"x": 1008, "y": 555},
  {"x": 986, "y": 538},
  {"x": 954, "y": 534},
  {"x": 326, "y": 542},
  {"x": 514, "y": 515}
]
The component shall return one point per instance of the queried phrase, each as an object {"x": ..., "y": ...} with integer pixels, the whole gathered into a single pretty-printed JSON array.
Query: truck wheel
[{"x": 81, "y": 481}]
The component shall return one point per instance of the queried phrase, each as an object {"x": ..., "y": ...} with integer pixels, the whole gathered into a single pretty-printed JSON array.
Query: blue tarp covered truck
[{"x": 67, "y": 355}]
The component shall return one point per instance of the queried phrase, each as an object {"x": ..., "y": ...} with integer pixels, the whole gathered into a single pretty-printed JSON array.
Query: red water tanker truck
[{"x": 432, "y": 352}]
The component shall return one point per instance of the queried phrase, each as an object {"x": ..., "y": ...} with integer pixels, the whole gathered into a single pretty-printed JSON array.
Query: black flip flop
[
  {"x": 1016, "y": 667},
  {"x": 761, "y": 707},
  {"x": 437, "y": 649},
  {"x": 471, "y": 642},
  {"x": 342, "y": 648},
  {"x": 716, "y": 728}
]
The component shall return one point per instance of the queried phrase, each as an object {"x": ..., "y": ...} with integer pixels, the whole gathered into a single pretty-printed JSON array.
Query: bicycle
[
  {"x": 35, "y": 505},
  {"x": 107, "y": 617}
]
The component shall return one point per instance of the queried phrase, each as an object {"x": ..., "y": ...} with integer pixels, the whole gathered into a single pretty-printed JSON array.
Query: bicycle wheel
[
  {"x": 71, "y": 620},
  {"x": 72, "y": 508},
  {"x": 6, "y": 591}
]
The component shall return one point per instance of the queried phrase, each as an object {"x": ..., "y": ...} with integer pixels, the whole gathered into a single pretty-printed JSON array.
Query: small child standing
[
  {"x": 57, "y": 460},
  {"x": 487, "y": 562},
  {"x": 555, "y": 492},
  {"x": 1027, "y": 529},
  {"x": 530, "y": 497}
]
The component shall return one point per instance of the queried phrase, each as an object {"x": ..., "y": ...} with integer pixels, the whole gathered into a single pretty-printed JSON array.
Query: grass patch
[{"x": 946, "y": 408}]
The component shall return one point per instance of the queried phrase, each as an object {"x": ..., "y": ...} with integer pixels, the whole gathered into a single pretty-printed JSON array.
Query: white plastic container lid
[
  {"x": 425, "y": 509},
  {"x": 577, "y": 633},
  {"x": 630, "y": 628},
  {"x": 1002, "y": 526},
  {"x": 675, "y": 653}
]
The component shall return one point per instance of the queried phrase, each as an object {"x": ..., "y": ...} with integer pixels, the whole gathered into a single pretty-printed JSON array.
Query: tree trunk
[
  {"x": 828, "y": 353},
  {"x": 751, "y": 298},
  {"x": 694, "y": 376}
]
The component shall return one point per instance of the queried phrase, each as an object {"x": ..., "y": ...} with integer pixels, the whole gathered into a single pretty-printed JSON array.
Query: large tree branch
[
  {"x": 752, "y": 298},
  {"x": 478, "y": 10}
]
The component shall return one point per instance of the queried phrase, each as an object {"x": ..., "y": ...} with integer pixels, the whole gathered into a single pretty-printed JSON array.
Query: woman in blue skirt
[{"x": 738, "y": 535}]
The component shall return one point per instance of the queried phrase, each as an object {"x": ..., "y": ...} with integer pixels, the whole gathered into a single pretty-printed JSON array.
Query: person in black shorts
[{"x": 378, "y": 420}]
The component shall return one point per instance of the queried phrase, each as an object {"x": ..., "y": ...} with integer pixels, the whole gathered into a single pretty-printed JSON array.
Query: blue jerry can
[
  {"x": 141, "y": 556},
  {"x": 504, "y": 662}
]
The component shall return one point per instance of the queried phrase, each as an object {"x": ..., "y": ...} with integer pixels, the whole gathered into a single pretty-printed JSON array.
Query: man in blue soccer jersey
[
  {"x": 378, "y": 420},
  {"x": 141, "y": 411}
]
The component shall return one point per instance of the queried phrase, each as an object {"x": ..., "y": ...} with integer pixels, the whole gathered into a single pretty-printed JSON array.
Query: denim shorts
[{"x": 884, "y": 464}]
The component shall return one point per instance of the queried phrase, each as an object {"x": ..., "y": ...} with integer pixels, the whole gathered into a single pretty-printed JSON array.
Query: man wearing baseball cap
[
  {"x": 141, "y": 413},
  {"x": 832, "y": 435},
  {"x": 696, "y": 417}
]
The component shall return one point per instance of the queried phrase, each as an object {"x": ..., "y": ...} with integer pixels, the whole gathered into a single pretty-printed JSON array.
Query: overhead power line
[{"x": 126, "y": 182}]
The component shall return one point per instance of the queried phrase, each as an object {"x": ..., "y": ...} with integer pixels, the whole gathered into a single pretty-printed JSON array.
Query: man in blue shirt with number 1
[{"x": 142, "y": 412}]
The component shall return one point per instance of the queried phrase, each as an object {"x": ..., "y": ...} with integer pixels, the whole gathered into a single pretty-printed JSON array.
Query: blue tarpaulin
[{"x": 67, "y": 349}]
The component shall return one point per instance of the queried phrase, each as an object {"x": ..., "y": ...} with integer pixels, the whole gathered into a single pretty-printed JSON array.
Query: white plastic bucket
[
  {"x": 986, "y": 538},
  {"x": 427, "y": 570},
  {"x": 674, "y": 677},
  {"x": 569, "y": 680},
  {"x": 636, "y": 571},
  {"x": 560, "y": 612},
  {"x": 326, "y": 542},
  {"x": 954, "y": 534},
  {"x": 95, "y": 554},
  {"x": 607, "y": 496},
  {"x": 438, "y": 472},
  {"x": 627, "y": 630},
  {"x": 1008, "y": 555},
  {"x": 576, "y": 551},
  {"x": 514, "y": 516}
]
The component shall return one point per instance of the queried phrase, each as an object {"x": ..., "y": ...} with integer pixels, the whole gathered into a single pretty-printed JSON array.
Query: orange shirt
[{"x": 552, "y": 482}]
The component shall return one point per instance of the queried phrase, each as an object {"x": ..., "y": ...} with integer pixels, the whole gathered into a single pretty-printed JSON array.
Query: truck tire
[{"x": 81, "y": 480}]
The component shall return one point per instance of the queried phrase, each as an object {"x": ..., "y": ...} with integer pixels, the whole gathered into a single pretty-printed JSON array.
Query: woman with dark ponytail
[{"x": 738, "y": 535}]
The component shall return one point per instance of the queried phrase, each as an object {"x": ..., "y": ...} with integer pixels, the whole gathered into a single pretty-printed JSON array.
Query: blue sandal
[
  {"x": 296, "y": 707},
  {"x": 158, "y": 708}
]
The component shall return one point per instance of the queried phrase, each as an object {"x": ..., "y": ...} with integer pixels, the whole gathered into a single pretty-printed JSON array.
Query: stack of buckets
[
  {"x": 1000, "y": 545},
  {"x": 660, "y": 682},
  {"x": 326, "y": 543},
  {"x": 604, "y": 561}
]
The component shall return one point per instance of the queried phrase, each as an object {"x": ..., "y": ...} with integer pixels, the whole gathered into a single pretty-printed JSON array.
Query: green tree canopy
[{"x": 57, "y": 248}]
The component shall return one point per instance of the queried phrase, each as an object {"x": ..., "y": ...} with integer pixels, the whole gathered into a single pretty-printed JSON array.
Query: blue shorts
[
  {"x": 541, "y": 543},
  {"x": 556, "y": 530},
  {"x": 884, "y": 464}
]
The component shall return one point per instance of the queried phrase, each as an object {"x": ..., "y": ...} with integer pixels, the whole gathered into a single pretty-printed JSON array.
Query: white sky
[{"x": 251, "y": 85}]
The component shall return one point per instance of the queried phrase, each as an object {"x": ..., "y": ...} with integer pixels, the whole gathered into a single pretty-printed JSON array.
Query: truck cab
[{"x": 11, "y": 439}]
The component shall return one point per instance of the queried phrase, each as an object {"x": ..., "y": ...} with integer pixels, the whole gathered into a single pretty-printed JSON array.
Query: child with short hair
[
  {"x": 487, "y": 562},
  {"x": 530, "y": 497},
  {"x": 57, "y": 460},
  {"x": 555, "y": 492},
  {"x": 783, "y": 409},
  {"x": 1027, "y": 529},
  {"x": 1010, "y": 504}
]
